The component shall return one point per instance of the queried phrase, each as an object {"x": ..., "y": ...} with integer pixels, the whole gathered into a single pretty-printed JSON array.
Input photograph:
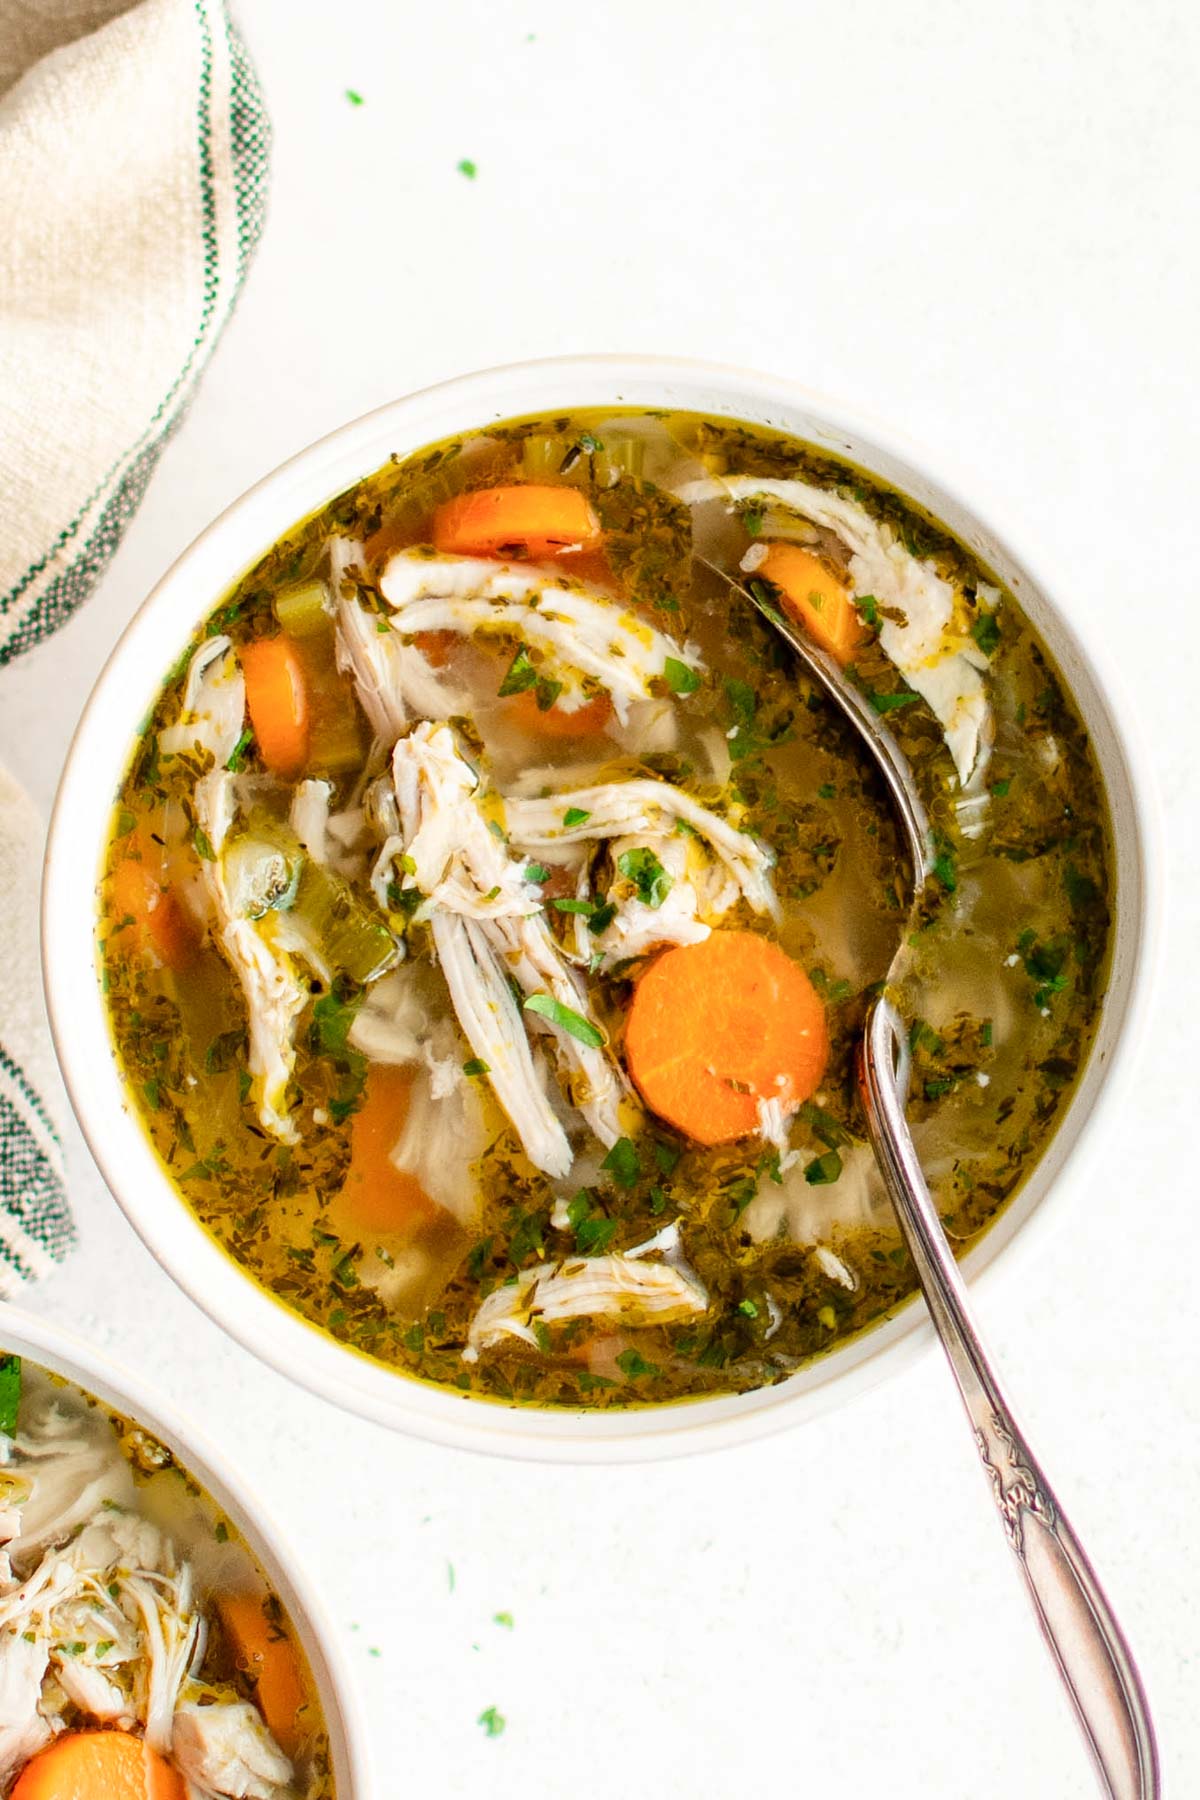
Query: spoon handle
[{"x": 1076, "y": 1620}]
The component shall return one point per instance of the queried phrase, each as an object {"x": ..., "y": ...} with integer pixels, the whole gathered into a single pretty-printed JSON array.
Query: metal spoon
[{"x": 1076, "y": 1620}]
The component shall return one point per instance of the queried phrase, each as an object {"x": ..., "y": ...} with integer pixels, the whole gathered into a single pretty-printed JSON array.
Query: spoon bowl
[{"x": 1077, "y": 1622}]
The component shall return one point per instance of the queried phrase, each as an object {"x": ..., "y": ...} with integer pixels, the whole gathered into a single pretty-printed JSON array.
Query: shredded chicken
[
  {"x": 444, "y": 1128},
  {"x": 274, "y": 988},
  {"x": 928, "y": 643},
  {"x": 221, "y": 1744},
  {"x": 309, "y": 817},
  {"x": 23, "y": 1730},
  {"x": 633, "y": 808},
  {"x": 626, "y": 1288},
  {"x": 101, "y": 1620},
  {"x": 485, "y": 1008},
  {"x": 639, "y": 925},
  {"x": 582, "y": 634},
  {"x": 214, "y": 705},
  {"x": 489, "y": 932}
]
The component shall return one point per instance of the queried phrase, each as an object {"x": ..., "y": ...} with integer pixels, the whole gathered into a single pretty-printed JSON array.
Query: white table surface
[{"x": 977, "y": 220}]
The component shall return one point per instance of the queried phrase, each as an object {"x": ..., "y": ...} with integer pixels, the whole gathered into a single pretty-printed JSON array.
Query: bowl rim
[
  {"x": 301, "y": 1350},
  {"x": 62, "y": 1352}
]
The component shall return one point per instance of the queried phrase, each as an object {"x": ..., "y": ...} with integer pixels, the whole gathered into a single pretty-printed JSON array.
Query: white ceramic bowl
[
  {"x": 62, "y": 1354},
  {"x": 105, "y": 739}
]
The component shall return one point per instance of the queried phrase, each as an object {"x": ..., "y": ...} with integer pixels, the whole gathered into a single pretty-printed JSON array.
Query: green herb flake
[
  {"x": 478, "y": 1256},
  {"x": 493, "y": 1722},
  {"x": 944, "y": 868},
  {"x": 667, "y": 1155},
  {"x": 547, "y": 1007},
  {"x": 868, "y": 607},
  {"x": 824, "y": 1170},
  {"x": 466, "y": 167},
  {"x": 520, "y": 675},
  {"x": 237, "y": 755},
  {"x": 623, "y": 1163},
  {"x": 594, "y": 1235},
  {"x": 1000, "y": 789},
  {"x": 354, "y": 97},
  {"x": 476, "y": 1066},
  {"x": 537, "y": 873},
  {"x": 679, "y": 676},
  {"x": 201, "y": 845},
  {"x": 749, "y": 1308},
  {"x": 886, "y": 703},
  {"x": 643, "y": 869},
  {"x": 575, "y": 815},
  {"x": 986, "y": 633},
  {"x": 633, "y": 1364},
  {"x": 503, "y": 1618}
]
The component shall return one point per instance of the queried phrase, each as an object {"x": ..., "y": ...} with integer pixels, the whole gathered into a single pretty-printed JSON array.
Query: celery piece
[
  {"x": 541, "y": 457},
  {"x": 620, "y": 456},
  {"x": 351, "y": 937},
  {"x": 304, "y": 611},
  {"x": 334, "y": 743}
]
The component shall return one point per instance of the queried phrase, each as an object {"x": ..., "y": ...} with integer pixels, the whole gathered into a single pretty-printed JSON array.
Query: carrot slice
[
  {"x": 815, "y": 598},
  {"x": 588, "y": 720},
  {"x": 268, "y": 1659},
  {"x": 716, "y": 1027},
  {"x": 99, "y": 1765},
  {"x": 153, "y": 917},
  {"x": 277, "y": 700},
  {"x": 378, "y": 1195},
  {"x": 540, "y": 521}
]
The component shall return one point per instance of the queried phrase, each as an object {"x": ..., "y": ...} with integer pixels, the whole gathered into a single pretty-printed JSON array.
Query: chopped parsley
[
  {"x": 547, "y": 1007},
  {"x": 476, "y": 1066},
  {"x": 650, "y": 879},
  {"x": 623, "y": 1163},
  {"x": 679, "y": 676},
  {"x": 520, "y": 674},
  {"x": 575, "y": 815},
  {"x": 886, "y": 703},
  {"x": 986, "y": 633},
  {"x": 466, "y": 167},
  {"x": 632, "y": 1363},
  {"x": 493, "y": 1722},
  {"x": 823, "y": 1170}
]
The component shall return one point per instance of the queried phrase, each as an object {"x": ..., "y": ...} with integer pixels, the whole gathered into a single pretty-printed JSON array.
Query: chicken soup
[
  {"x": 141, "y": 1650},
  {"x": 492, "y": 905}
]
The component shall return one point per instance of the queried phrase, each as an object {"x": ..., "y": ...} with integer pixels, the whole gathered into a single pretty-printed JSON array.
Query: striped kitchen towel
[{"x": 133, "y": 162}]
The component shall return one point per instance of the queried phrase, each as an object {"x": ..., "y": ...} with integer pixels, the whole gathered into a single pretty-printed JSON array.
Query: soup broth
[
  {"x": 132, "y": 1611},
  {"x": 492, "y": 905}
]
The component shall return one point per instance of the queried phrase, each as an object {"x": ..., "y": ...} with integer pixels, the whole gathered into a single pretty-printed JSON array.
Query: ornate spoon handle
[{"x": 1076, "y": 1620}]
